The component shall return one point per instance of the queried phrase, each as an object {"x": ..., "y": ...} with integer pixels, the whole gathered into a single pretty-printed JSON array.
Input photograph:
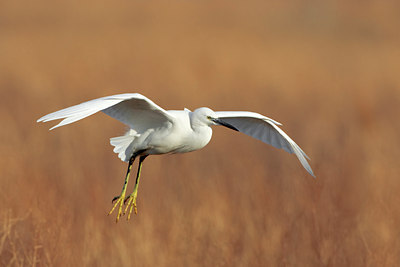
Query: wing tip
[
  {"x": 306, "y": 166},
  {"x": 41, "y": 119}
]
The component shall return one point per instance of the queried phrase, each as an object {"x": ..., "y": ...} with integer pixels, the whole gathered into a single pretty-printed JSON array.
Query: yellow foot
[
  {"x": 130, "y": 202},
  {"x": 119, "y": 200}
]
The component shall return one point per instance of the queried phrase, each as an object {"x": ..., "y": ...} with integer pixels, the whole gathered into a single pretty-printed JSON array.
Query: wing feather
[
  {"x": 134, "y": 110},
  {"x": 265, "y": 130}
]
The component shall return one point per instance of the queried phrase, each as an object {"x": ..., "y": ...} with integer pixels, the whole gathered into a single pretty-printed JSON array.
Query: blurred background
[{"x": 327, "y": 70}]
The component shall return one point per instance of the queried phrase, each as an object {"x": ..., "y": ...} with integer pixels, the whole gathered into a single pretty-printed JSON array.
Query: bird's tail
[{"x": 124, "y": 145}]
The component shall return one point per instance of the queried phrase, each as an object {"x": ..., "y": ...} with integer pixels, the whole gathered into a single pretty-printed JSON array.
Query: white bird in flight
[{"x": 155, "y": 131}]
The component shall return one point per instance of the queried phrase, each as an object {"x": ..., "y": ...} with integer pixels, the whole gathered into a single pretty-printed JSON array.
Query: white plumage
[{"x": 265, "y": 130}]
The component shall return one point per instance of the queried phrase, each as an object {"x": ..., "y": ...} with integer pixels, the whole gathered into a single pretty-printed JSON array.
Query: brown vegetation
[{"x": 328, "y": 70}]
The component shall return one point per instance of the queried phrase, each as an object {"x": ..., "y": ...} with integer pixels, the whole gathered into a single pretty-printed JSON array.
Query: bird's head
[{"x": 207, "y": 116}]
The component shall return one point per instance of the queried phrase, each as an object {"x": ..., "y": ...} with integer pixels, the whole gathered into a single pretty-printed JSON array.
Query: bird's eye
[{"x": 209, "y": 117}]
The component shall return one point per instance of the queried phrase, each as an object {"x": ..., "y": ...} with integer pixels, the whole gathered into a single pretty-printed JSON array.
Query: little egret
[{"x": 155, "y": 131}]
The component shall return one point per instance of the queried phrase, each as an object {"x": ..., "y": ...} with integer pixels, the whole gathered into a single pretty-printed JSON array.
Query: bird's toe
[{"x": 114, "y": 199}]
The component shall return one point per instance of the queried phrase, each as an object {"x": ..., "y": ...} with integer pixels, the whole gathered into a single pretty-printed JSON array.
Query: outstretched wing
[
  {"x": 266, "y": 130},
  {"x": 135, "y": 110}
]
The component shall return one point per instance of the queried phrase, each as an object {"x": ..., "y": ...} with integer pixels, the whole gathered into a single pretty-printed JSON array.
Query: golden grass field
[{"x": 328, "y": 70}]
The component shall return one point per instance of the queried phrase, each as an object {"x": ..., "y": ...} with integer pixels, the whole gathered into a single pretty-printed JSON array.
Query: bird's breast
[
  {"x": 182, "y": 141},
  {"x": 197, "y": 139}
]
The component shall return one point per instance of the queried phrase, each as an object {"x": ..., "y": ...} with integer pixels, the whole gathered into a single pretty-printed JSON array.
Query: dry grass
[{"x": 328, "y": 70}]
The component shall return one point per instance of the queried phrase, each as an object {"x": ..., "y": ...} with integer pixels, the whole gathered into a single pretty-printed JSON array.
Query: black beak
[{"x": 227, "y": 125}]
